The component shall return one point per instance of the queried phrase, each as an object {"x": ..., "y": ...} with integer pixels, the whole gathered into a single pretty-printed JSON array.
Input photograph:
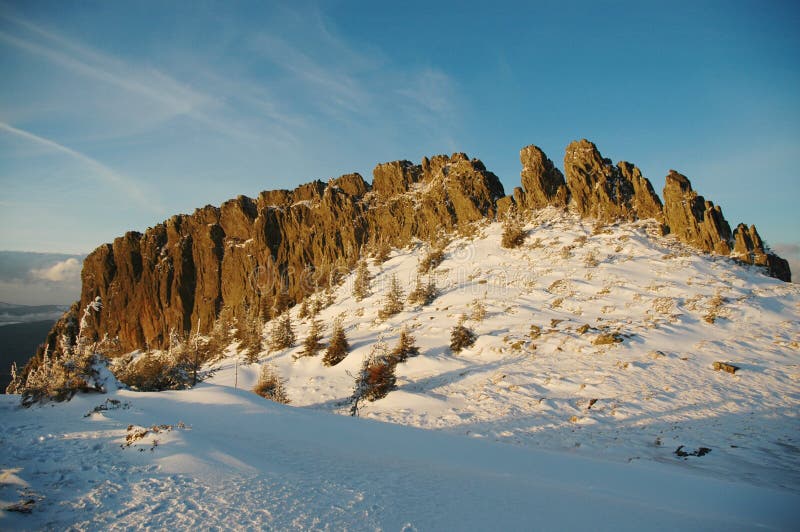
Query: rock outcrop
[
  {"x": 748, "y": 247},
  {"x": 692, "y": 219},
  {"x": 249, "y": 253},
  {"x": 179, "y": 274},
  {"x": 542, "y": 183},
  {"x": 598, "y": 189}
]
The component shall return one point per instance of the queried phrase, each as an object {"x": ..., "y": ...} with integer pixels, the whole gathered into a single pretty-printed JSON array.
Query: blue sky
[{"x": 116, "y": 115}]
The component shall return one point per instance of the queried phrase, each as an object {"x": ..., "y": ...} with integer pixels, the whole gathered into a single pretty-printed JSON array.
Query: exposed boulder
[
  {"x": 598, "y": 189},
  {"x": 692, "y": 219}
]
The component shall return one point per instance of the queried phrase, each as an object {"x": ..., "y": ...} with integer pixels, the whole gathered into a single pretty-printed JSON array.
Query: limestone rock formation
[
  {"x": 692, "y": 219},
  {"x": 599, "y": 189},
  {"x": 249, "y": 253},
  {"x": 542, "y": 183},
  {"x": 179, "y": 274},
  {"x": 749, "y": 248}
]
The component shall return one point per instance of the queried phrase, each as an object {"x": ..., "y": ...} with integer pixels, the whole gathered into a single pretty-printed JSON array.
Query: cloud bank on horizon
[
  {"x": 39, "y": 278},
  {"x": 115, "y": 118}
]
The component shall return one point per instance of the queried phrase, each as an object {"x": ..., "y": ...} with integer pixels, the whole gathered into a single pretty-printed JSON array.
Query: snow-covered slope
[
  {"x": 676, "y": 310},
  {"x": 544, "y": 430}
]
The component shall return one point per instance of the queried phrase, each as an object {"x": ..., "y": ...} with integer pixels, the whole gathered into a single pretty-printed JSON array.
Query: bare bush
[
  {"x": 513, "y": 231},
  {"x": 270, "y": 385},
  {"x": 478, "y": 310}
]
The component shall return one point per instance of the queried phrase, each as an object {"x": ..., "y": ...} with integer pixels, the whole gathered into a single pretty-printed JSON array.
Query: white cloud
[{"x": 68, "y": 270}]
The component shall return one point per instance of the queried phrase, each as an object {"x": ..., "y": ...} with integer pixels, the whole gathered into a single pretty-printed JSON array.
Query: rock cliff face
[
  {"x": 242, "y": 255},
  {"x": 179, "y": 274}
]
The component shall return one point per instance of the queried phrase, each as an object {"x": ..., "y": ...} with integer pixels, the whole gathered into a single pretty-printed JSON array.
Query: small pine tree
[
  {"x": 406, "y": 347},
  {"x": 376, "y": 377},
  {"x": 461, "y": 336},
  {"x": 423, "y": 294},
  {"x": 282, "y": 334},
  {"x": 339, "y": 347},
  {"x": 361, "y": 285},
  {"x": 312, "y": 343},
  {"x": 304, "y": 311},
  {"x": 394, "y": 300},
  {"x": 316, "y": 304},
  {"x": 252, "y": 342},
  {"x": 270, "y": 385}
]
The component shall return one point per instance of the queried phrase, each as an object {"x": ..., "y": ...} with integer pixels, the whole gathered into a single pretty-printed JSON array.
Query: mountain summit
[{"x": 244, "y": 254}]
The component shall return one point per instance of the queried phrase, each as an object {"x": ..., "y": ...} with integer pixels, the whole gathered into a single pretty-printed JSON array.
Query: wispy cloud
[
  {"x": 356, "y": 84},
  {"x": 162, "y": 96},
  {"x": 337, "y": 89},
  {"x": 66, "y": 53},
  {"x": 102, "y": 172}
]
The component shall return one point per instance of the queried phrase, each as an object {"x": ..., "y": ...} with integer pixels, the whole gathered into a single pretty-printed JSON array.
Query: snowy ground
[
  {"x": 238, "y": 461},
  {"x": 587, "y": 433}
]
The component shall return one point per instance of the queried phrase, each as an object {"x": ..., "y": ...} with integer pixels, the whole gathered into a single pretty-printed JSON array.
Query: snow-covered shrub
[
  {"x": 513, "y": 231},
  {"x": 158, "y": 371},
  {"x": 361, "y": 285},
  {"x": 478, "y": 310},
  {"x": 176, "y": 368},
  {"x": 270, "y": 385},
  {"x": 59, "y": 376},
  {"x": 461, "y": 336},
  {"x": 394, "y": 300},
  {"x": 339, "y": 347}
]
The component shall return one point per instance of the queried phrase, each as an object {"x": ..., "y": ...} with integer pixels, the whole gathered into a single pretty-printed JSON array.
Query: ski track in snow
[{"x": 242, "y": 462}]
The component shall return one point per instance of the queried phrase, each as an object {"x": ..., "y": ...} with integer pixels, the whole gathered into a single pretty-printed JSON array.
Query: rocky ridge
[{"x": 243, "y": 255}]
